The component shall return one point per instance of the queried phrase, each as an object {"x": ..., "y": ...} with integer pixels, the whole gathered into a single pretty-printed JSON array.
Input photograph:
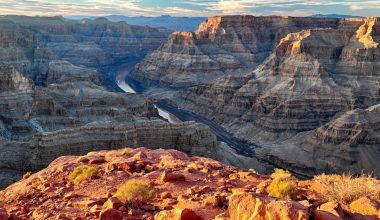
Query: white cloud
[{"x": 194, "y": 7}]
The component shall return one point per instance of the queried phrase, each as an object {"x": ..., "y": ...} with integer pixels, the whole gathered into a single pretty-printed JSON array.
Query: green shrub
[
  {"x": 135, "y": 190},
  {"x": 284, "y": 185},
  {"x": 346, "y": 188},
  {"x": 83, "y": 172}
]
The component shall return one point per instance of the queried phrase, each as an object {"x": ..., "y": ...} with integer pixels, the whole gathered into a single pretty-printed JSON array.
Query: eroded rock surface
[
  {"x": 311, "y": 93},
  {"x": 206, "y": 190}
]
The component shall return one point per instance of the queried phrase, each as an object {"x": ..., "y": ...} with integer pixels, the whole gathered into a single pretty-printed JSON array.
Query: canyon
[
  {"x": 107, "y": 120},
  {"x": 299, "y": 93},
  {"x": 59, "y": 95},
  {"x": 303, "y": 91}
]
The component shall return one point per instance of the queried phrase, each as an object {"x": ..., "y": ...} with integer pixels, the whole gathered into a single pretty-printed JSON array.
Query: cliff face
[
  {"x": 32, "y": 44},
  {"x": 38, "y": 124},
  {"x": 53, "y": 100},
  {"x": 310, "y": 77},
  {"x": 221, "y": 45}
]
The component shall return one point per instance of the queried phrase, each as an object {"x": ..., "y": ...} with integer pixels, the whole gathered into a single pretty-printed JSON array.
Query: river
[{"x": 120, "y": 80}]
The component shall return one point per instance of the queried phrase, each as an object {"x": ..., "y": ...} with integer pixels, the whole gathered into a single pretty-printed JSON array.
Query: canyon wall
[
  {"x": 33, "y": 44},
  {"x": 56, "y": 97},
  {"x": 314, "y": 72},
  {"x": 220, "y": 46}
]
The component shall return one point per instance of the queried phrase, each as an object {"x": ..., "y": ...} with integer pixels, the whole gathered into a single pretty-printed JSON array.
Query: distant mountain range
[
  {"x": 335, "y": 16},
  {"x": 170, "y": 22}
]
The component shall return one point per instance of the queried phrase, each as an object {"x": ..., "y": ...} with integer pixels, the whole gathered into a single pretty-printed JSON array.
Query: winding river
[{"x": 120, "y": 80}]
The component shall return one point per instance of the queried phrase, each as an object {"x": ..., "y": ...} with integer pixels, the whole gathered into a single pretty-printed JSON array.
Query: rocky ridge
[
  {"x": 311, "y": 78},
  {"x": 311, "y": 73},
  {"x": 183, "y": 188},
  {"x": 221, "y": 46}
]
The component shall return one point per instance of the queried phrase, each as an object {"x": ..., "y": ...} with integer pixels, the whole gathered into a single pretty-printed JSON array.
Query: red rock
[
  {"x": 111, "y": 214},
  {"x": 333, "y": 208},
  {"x": 215, "y": 201},
  {"x": 3, "y": 214},
  {"x": 165, "y": 195},
  {"x": 113, "y": 202},
  {"x": 254, "y": 206},
  {"x": 188, "y": 214},
  {"x": 323, "y": 215},
  {"x": 136, "y": 212},
  {"x": 97, "y": 160},
  {"x": 148, "y": 207},
  {"x": 177, "y": 214},
  {"x": 170, "y": 177}
]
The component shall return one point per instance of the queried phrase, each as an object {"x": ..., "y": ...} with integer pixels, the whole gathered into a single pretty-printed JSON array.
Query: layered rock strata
[
  {"x": 311, "y": 79},
  {"x": 34, "y": 44},
  {"x": 39, "y": 124},
  {"x": 220, "y": 46}
]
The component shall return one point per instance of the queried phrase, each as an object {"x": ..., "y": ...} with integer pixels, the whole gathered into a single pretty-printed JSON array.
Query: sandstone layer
[
  {"x": 33, "y": 44},
  {"x": 57, "y": 95},
  {"x": 183, "y": 188},
  {"x": 313, "y": 79},
  {"x": 220, "y": 46},
  {"x": 289, "y": 79}
]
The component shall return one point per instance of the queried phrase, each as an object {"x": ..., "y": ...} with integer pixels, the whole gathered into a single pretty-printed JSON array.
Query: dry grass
[
  {"x": 284, "y": 185},
  {"x": 135, "y": 190},
  {"x": 83, "y": 172},
  {"x": 26, "y": 175},
  {"x": 346, "y": 188}
]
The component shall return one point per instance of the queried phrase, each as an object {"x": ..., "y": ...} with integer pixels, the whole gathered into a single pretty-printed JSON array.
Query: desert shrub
[
  {"x": 347, "y": 188},
  {"x": 284, "y": 185},
  {"x": 82, "y": 172},
  {"x": 26, "y": 175},
  {"x": 135, "y": 190},
  {"x": 38, "y": 182}
]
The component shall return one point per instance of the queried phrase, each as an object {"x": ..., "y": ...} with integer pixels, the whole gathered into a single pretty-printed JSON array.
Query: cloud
[{"x": 189, "y": 7}]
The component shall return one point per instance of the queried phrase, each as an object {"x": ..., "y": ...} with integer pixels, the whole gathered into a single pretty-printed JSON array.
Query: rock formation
[
  {"x": 310, "y": 79},
  {"x": 221, "y": 45},
  {"x": 56, "y": 97},
  {"x": 293, "y": 79},
  {"x": 168, "y": 185},
  {"x": 33, "y": 44},
  {"x": 39, "y": 124}
]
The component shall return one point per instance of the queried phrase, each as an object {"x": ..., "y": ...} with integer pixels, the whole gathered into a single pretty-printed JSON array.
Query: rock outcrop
[
  {"x": 309, "y": 73},
  {"x": 221, "y": 46},
  {"x": 198, "y": 188}
]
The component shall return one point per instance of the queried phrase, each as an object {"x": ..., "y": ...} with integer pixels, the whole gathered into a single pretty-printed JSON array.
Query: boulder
[
  {"x": 111, "y": 214},
  {"x": 113, "y": 203},
  {"x": 3, "y": 214},
  {"x": 255, "y": 207},
  {"x": 333, "y": 208},
  {"x": 170, "y": 177}
]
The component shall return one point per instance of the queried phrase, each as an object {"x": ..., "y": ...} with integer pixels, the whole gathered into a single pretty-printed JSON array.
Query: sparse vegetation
[
  {"x": 284, "y": 185},
  {"x": 347, "y": 188},
  {"x": 26, "y": 175},
  {"x": 135, "y": 190},
  {"x": 83, "y": 172}
]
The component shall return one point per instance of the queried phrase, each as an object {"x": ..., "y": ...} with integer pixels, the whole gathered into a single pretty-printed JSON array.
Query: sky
[{"x": 189, "y": 7}]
